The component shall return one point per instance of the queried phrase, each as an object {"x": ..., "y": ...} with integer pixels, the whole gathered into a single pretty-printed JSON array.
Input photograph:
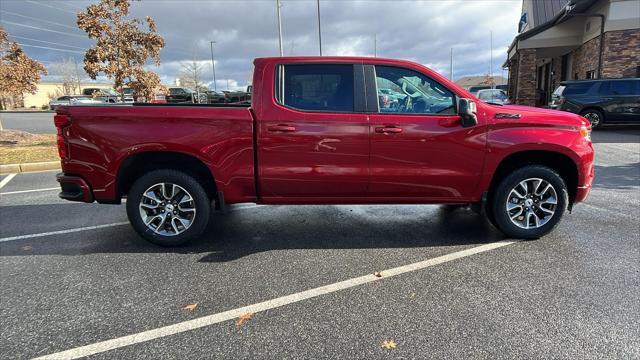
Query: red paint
[{"x": 320, "y": 157}]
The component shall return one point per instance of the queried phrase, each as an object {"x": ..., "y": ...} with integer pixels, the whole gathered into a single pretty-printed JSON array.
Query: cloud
[{"x": 423, "y": 31}]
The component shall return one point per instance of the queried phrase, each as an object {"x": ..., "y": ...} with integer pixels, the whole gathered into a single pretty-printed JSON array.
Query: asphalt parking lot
[
  {"x": 76, "y": 275},
  {"x": 33, "y": 122}
]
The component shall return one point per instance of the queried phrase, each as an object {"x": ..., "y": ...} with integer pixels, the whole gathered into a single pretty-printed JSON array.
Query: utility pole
[
  {"x": 319, "y": 29},
  {"x": 279, "y": 26},
  {"x": 213, "y": 67},
  {"x": 375, "y": 45},
  {"x": 451, "y": 66},
  {"x": 491, "y": 57}
]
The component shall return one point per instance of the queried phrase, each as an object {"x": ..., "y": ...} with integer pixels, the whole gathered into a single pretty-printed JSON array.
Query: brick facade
[
  {"x": 621, "y": 55},
  {"x": 526, "y": 74},
  {"x": 585, "y": 58}
]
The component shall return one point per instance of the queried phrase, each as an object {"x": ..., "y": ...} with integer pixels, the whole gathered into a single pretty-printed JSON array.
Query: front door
[
  {"x": 419, "y": 151},
  {"x": 313, "y": 142}
]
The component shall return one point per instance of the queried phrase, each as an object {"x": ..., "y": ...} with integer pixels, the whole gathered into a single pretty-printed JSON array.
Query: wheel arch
[
  {"x": 563, "y": 164},
  {"x": 594, "y": 107},
  {"x": 140, "y": 163}
]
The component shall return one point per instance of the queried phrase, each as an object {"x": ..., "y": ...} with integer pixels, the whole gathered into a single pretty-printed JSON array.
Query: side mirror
[{"x": 467, "y": 111}]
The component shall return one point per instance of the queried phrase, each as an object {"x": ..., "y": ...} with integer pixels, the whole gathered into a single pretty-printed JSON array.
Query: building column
[{"x": 526, "y": 77}]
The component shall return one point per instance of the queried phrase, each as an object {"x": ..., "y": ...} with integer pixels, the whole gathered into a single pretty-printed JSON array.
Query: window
[
  {"x": 590, "y": 74},
  {"x": 406, "y": 91},
  {"x": 624, "y": 87},
  {"x": 578, "y": 88},
  {"x": 316, "y": 87},
  {"x": 492, "y": 95}
]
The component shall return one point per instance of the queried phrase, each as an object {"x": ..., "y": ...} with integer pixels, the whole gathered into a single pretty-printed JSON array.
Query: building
[
  {"x": 50, "y": 90},
  {"x": 561, "y": 40}
]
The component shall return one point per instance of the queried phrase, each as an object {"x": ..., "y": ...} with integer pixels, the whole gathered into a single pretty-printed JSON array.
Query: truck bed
[{"x": 100, "y": 138}]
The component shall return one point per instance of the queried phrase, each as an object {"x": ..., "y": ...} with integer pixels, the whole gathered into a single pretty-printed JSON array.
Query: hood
[{"x": 529, "y": 114}]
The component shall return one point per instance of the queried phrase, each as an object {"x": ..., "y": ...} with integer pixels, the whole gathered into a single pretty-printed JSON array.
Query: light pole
[
  {"x": 279, "y": 26},
  {"x": 213, "y": 67},
  {"x": 319, "y": 29}
]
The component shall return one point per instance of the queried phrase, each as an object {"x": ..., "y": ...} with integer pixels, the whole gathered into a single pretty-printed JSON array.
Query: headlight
[{"x": 585, "y": 132}]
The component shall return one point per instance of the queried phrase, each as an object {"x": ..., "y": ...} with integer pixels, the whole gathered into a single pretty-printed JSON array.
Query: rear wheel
[
  {"x": 594, "y": 116},
  {"x": 168, "y": 207},
  {"x": 529, "y": 202}
]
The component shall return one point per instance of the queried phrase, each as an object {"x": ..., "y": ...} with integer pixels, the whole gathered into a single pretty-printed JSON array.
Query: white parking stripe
[
  {"x": 29, "y": 191},
  {"x": 68, "y": 231},
  {"x": 6, "y": 180},
  {"x": 208, "y": 320}
]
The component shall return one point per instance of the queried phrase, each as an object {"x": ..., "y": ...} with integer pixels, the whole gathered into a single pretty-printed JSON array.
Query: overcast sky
[{"x": 422, "y": 31}]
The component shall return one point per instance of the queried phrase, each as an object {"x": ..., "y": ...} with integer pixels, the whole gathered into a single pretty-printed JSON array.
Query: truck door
[
  {"x": 419, "y": 150},
  {"x": 313, "y": 134}
]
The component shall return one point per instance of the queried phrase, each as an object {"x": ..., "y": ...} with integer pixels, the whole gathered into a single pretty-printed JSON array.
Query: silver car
[
  {"x": 74, "y": 100},
  {"x": 493, "y": 96}
]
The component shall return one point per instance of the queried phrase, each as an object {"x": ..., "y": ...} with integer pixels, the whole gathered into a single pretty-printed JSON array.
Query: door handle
[
  {"x": 388, "y": 130},
  {"x": 281, "y": 128}
]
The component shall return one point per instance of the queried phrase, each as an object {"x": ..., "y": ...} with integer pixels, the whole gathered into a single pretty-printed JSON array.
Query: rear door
[
  {"x": 419, "y": 150},
  {"x": 622, "y": 100},
  {"x": 313, "y": 141}
]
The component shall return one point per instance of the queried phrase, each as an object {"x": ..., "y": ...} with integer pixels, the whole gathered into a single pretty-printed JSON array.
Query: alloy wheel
[
  {"x": 531, "y": 203},
  {"x": 167, "y": 209}
]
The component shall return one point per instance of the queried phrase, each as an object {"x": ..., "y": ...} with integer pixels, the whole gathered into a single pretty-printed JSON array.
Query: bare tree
[
  {"x": 122, "y": 47},
  {"x": 69, "y": 73},
  {"x": 191, "y": 76}
]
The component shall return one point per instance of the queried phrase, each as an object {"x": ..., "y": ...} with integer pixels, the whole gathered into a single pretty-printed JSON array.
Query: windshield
[{"x": 489, "y": 95}]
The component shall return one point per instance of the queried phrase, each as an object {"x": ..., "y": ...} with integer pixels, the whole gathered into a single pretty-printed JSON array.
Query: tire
[
  {"x": 595, "y": 117},
  {"x": 174, "y": 219},
  {"x": 535, "y": 214}
]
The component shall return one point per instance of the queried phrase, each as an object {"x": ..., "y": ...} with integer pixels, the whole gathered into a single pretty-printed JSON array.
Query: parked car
[
  {"x": 214, "y": 97},
  {"x": 180, "y": 95},
  {"x": 127, "y": 95},
  {"x": 502, "y": 87},
  {"x": 602, "y": 101},
  {"x": 493, "y": 96},
  {"x": 107, "y": 95},
  {"x": 312, "y": 136},
  {"x": 238, "y": 96},
  {"x": 474, "y": 89},
  {"x": 74, "y": 100}
]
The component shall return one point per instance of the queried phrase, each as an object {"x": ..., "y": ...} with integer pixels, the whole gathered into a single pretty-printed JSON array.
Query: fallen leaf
[
  {"x": 377, "y": 274},
  {"x": 190, "y": 307},
  {"x": 27, "y": 248},
  {"x": 243, "y": 318},
  {"x": 389, "y": 344}
]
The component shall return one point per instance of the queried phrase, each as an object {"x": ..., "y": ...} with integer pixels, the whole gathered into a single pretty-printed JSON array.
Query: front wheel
[
  {"x": 168, "y": 207},
  {"x": 529, "y": 202}
]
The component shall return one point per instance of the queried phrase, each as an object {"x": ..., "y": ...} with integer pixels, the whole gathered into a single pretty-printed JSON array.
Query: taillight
[{"x": 61, "y": 122}]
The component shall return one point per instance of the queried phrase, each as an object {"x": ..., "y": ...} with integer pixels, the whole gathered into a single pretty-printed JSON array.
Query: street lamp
[{"x": 213, "y": 67}]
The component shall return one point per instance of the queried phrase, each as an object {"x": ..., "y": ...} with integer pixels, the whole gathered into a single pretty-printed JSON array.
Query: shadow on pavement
[
  {"x": 244, "y": 232},
  {"x": 617, "y": 177},
  {"x": 616, "y": 134}
]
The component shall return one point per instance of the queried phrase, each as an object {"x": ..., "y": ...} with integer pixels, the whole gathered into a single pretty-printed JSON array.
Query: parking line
[
  {"x": 208, "y": 320},
  {"x": 6, "y": 180},
  {"x": 29, "y": 191},
  {"x": 68, "y": 231}
]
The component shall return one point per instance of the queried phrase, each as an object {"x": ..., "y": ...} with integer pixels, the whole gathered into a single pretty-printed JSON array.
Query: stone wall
[
  {"x": 585, "y": 58},
  {"x": 526, "y": 77},
  {"x": 621, "y": 56}
]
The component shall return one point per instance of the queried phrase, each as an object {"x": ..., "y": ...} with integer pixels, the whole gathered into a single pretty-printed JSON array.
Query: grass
[{"x": 44, "y": 149}]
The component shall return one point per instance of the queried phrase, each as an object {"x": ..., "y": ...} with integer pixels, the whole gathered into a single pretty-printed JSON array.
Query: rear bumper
[{"x": 74, "y": 188}]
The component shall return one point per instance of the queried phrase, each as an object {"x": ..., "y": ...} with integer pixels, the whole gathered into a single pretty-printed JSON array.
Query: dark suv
[{"x": 606, "y": 101}]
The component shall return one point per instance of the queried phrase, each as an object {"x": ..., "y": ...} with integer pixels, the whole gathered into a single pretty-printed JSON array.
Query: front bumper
[{"x": 74, "y": 188}]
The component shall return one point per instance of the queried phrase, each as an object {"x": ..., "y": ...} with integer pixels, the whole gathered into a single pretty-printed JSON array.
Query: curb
[{"x": 29, "y": 167}]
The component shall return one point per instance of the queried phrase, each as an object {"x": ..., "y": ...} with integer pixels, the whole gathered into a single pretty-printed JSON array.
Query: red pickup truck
[{"x": 327, "y": 130}]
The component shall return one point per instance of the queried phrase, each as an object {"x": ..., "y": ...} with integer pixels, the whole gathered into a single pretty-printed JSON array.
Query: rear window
[
  {"x": 317, "y": 87},
  {"x": 578, "y": 88},
  {"x": 559, "y": 90}
]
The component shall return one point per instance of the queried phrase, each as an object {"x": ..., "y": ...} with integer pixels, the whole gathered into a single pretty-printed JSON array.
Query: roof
[
  {"x": 545, "y": 10},
  {"x": 570, "y": 7}
]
